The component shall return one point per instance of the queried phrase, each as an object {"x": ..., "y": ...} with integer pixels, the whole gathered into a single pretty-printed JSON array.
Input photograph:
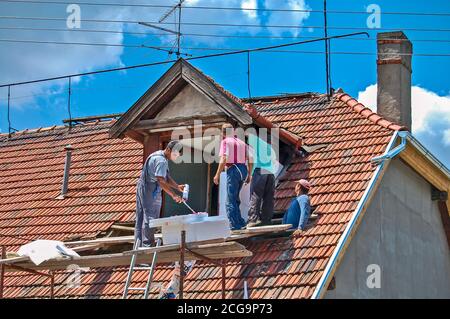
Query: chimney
[
  {"x": 394, "y": 77},
  {"x": 65, "y": 185}
]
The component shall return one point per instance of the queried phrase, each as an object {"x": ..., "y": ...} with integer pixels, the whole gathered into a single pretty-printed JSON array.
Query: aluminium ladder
[{"x": 133, "y": 267}]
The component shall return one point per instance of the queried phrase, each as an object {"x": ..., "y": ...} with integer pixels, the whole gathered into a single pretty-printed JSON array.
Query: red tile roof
[{"x": 103, "y": 178}]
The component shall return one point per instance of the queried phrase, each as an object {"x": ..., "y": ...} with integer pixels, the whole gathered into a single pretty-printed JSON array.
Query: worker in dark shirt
[
  {"x": 262, "y": 187},
  {"x": 300, "y": 209}
]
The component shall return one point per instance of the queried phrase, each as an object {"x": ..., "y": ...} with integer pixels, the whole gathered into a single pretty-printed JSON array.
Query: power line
[
  {"x": 142, "y": 5},
  {"x": 249, "y": 78},
  {"x": 219, "y": 49},
  {"x": 191, "y": 58},
  {"x": 230, "y": 24},
  {"x": 8, "y": 115},
  {"x": 179, "y": 28},
  {"x": 327, "y": 53},
  {"x": 207, "y": 34},
  {"x": 81, "y": 43},
  {"x": 105, "y": 88},
  {"x": 96, "y": 88},
  {"x": 68, "y": 102}
]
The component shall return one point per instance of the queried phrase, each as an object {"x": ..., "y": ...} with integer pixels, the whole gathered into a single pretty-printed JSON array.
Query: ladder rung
[{"x": 134, "y": 266}]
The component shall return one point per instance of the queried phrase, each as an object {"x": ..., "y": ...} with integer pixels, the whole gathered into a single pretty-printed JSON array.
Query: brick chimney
[{"x": 394, "y": 77}]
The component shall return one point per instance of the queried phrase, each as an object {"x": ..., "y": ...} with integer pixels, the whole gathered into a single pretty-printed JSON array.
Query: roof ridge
[
  {"x": 368, "y": 113},
  {"x": 51, "y": 128},
  {"x": 281, "y": 96},
  {"x": 33, "y": 130}
]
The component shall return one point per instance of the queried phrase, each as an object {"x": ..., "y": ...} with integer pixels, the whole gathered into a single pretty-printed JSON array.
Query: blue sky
[{"x": 272, "y": 73}]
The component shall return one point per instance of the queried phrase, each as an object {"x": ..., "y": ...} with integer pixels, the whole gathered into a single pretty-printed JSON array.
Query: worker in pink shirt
[{"x": 235, "y": 158}]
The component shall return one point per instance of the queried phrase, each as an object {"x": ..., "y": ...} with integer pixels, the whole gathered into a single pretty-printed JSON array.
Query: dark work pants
[{"x": 262, "y": 191}]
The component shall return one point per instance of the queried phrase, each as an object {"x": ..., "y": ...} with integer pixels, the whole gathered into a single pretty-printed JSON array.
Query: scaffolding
[{"x": 215, "y": 252}]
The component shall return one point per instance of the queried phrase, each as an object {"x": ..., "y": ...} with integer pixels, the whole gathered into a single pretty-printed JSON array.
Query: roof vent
[{"x": 65, "y": 184}]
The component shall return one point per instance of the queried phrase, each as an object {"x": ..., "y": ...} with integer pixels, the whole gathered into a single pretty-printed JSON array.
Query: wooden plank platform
[
  {"x": 105, "y": 241},
  {"x": 240, "y": 234},
  {"x": 166, "y": 254},
  {"x": 263, "y": 229}
]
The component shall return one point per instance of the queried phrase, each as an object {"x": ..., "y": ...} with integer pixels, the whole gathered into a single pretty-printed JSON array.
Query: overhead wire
[
  {"x": 249, "y": 78},
  {"x": 164, "y": 48},
  {"x": 231, "y": 36},
  {"x": 196, "y": 7},
  {"x": 8, "y": 115},
  {"x": 228, "y": 24},
  {"x": 68, "y": 102},
  {"x": 327, "y": 53},
  {"x": 259, "y": 49}
]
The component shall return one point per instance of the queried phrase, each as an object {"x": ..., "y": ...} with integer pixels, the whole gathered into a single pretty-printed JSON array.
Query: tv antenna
[{"x": 176, "y": 32}]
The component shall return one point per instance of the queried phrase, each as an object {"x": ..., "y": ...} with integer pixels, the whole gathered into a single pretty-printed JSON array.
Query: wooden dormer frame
[{"x": 164, "y": 90}]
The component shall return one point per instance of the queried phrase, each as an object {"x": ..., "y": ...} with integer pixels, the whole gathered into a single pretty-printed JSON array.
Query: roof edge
[
  {"x": 347, "y": 235},
  {"x": 425, "y": 152},
  {"x": 368, "y": 113}
]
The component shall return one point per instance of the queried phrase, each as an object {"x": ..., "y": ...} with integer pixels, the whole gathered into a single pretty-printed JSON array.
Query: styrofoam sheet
[{"x": 198, "y": 227}]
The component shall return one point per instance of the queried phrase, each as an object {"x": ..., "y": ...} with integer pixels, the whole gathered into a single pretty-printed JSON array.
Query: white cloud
[
  {"x": 287, "y": 18},
  {"x": 220, "y": 17},
  {"x": 447, "y": 137},
  {"x": 424, "y": 103},
  {"x": 368, "y": 97},
  {"x": 250, "y": 4},
  {"x": 21, "y": 62},
  {"x": 430, "y": 118}
]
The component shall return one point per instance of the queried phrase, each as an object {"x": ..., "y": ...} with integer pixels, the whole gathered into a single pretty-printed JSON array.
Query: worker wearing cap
[
  {"x": 154, "y": 178},
  {"x": 298, "y": 212},
  {"x": 235, "y": 157}
]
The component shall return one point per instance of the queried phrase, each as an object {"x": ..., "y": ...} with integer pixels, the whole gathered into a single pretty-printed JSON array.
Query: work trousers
[
  {"x": 262, "y": 191},
  {"x": 148, "y": 207},
  {"x": 236, "y": 175}
]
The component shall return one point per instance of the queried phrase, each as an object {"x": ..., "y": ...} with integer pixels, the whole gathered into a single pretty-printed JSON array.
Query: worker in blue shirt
[{"x": 300, "y": 209}]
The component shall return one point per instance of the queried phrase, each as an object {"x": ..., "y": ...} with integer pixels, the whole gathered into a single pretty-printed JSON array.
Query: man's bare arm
[
  {"x": 174, "y": 184},
  {"x": 249, "y": 174},
  {"x": 222, "y": 163},
  {"x": 168, "y": 189},
  {"x": 250, "y": 164}
]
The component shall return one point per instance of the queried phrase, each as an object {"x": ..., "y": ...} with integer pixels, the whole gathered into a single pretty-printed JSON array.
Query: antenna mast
[{"x": 177, "y": 33}]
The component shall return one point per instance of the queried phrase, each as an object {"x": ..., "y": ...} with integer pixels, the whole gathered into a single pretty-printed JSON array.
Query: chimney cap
[
  {"x": 68, "y": 147},
  {"x": 392, "y": 35}
]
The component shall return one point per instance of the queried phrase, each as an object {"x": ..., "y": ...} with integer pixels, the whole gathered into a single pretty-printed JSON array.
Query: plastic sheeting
[{"x": 41, "y": 250}]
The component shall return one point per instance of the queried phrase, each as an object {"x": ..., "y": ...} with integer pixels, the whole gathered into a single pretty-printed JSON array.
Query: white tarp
[{"x": 42, "y": 250}]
